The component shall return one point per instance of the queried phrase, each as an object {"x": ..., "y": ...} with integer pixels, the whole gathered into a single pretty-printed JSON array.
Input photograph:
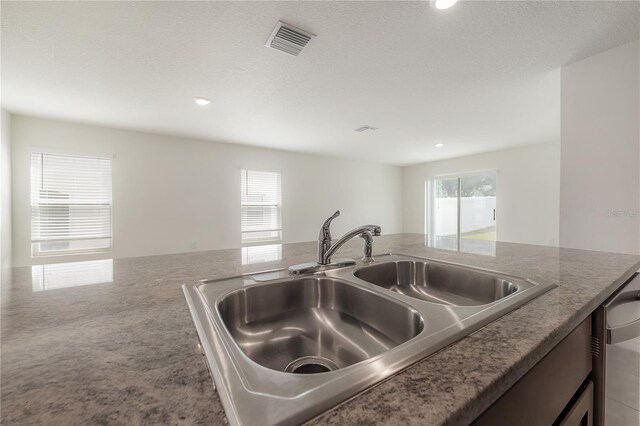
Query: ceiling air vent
[
  {"x": 366, "y": 129},
  {"x": 288, "y": 39}
]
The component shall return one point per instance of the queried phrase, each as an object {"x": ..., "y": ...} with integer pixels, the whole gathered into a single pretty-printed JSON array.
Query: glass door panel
[
  {"x": 478, "y": 213},
  {"x": 461, "y": 213},
  {"x": 445, "y": 213}
]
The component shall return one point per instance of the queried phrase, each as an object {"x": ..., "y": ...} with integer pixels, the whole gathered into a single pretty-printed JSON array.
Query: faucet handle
[
  {"x": 325, "y": 232},
  {"x": 324, "y": 238},
  {"x": 328, "y": 221}
]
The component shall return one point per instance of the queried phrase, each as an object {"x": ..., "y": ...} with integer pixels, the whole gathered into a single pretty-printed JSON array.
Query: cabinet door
[
  {"x": 581, "y": 412},
  {"x": 543, "y": 394}
]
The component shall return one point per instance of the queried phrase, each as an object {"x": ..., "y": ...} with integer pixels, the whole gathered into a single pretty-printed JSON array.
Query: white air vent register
[{"x": 289, "y": 39}]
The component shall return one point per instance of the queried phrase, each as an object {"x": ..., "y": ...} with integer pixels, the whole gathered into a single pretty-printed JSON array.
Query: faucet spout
[{"x": 367, "y": 236}]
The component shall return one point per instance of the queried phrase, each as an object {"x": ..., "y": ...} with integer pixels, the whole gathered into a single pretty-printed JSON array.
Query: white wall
[
  {"x": 170, "y": 192},
  {"x": 5, "y": 189},
  {"x": 600, "y": 125},
  {"x": 527, "y": 191}
]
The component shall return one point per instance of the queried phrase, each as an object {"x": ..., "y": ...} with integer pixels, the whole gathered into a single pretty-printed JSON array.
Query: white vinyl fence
[{"x": 475, "y": 213}]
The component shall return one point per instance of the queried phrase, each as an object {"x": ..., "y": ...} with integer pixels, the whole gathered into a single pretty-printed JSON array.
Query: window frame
[
  {"x": 278, "y": 206},
  {"x": 429, "y": 204},
  {"x": 36, "y": 252}
]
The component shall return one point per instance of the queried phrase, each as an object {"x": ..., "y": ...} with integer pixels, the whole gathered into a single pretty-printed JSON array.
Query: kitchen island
[{"x": 125, "y": 351}]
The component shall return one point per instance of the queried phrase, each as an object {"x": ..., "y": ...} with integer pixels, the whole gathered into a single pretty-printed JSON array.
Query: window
[
  {"x": 70, "y": 204},
  {"x": 261, "y": 206},
  {"x": 461, "y": 211}
]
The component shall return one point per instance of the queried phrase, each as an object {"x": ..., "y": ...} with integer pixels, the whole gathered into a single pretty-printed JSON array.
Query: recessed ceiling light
[
  {"x": 439, "y": 145},
  {"x": 201, "y": 101},
  {"x": 365, "y": 129},
  {"x": 442, "y": 4}
]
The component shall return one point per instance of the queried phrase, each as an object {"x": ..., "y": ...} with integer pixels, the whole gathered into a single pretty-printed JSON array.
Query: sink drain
[{"x": 311, "y": 365}]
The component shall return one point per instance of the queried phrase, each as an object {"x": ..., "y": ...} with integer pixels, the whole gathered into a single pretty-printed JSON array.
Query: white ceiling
[{"x": 478, "y": 77}]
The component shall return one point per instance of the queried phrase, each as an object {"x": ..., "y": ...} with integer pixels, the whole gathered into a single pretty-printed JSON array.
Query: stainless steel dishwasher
[{"x": 615, "y": 322}]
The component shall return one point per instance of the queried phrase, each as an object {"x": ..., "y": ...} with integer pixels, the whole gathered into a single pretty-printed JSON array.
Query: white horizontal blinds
[
  {"x": 261, "y": 206},
  {"x": 70, "y": 203}
]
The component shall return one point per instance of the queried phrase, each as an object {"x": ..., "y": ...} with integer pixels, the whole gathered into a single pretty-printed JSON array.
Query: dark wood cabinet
[
  {"x": 580, "y": 413},
  {"x": 557, "y": 391}
]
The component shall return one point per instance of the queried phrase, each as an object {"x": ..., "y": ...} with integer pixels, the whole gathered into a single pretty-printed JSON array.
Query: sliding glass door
[{"x": 461, "y": 211}]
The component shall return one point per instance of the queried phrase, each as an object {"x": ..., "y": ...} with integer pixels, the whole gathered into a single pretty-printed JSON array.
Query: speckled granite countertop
[{"x": 125, "y": 351}]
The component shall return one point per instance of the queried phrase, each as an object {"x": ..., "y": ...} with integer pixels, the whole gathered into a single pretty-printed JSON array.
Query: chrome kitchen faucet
[{"x": 326, "y": 249}]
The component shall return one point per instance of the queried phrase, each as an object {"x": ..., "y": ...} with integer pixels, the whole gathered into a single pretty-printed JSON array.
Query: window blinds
[
  {"x": 70, "y": 204},
  {"x": 261, "y": 206}
]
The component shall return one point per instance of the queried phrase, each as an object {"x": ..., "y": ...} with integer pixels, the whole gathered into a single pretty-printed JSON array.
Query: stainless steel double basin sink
[{"x": 282, "y": 349}]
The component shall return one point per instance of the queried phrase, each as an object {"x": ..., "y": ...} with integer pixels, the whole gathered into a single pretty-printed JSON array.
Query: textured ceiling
[{"x": 478, "y": 77}]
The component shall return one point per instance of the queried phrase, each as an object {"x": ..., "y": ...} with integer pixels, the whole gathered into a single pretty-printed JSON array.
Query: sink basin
[
  {"x": 282, "y": 349},
  {"x": 315, "y": 325},
  {"x": 438, "y": 282}
]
